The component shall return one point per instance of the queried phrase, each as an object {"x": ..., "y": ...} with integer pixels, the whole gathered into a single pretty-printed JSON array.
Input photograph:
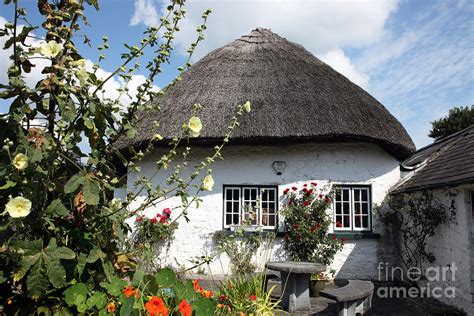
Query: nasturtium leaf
[
  {"x": 81, "y": 263},
  {"x": 74, "y": 182},
  {"x": 138, "y": 277},
  {"x": 165, "y": 277},
  {"x": 76, "y": 294},
  {"x": 127, "y": 307},
  {"x": 95, "y": 254},
  {"x": 115, "y": 287},
  {"x": 204, "y": 307},
  {"x": 97, "y": 300}
]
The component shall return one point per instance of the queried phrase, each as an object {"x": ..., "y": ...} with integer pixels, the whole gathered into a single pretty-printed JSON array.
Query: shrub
[{"x": 307, "y": 224}]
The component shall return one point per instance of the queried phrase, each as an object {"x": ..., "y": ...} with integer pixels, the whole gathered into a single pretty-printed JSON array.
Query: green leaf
[
  {"x": 76, "y": 294},
  {"x": 98, "y": 300},
  {"x": 204, "y": 307},
  {"x": 75, "y": 181},
  {"x": 37, "y": 155},
  {"x": 184, "y": 290},
  {"x": 55, "y": 270},
  {"x": 91, "y": 191},
  {"x": 127, "y": 307},
  {"x": 25, "y": 264},
  {"x": 9, "y": 184},
  {"x": 57, "y": 208},
  {"x": 95, "y": 254},
  {"x": 115, "y": 287},
  {"x": 37, "y": 283},
  {"x": 165, "y": 277},
  {"x": 81, "y": 264},
  {"x": 138, "y": 277}
]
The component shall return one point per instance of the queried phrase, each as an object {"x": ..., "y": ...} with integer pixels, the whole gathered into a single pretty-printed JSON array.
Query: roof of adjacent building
[
  {"x": 445, "y": 163},
  {"x": 295, "y": 97}
]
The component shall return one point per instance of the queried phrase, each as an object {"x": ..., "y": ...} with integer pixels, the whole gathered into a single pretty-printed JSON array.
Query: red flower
[
  {"x": 310, "y": 191},
  {"x": 312, "y": 229},
  {"x": 139, "y": 219},
  {"x": 153, "y": 220},
  {"x": 305, "y": 185},
  {"x": 156, "y": 307},
  {"x": 197, "y": 287},
  {"x": 185, "y": 309},
  {"x": 318, "y": 226},
  {"x": 253, "y": 297},
  {"x": 162, "y": 220},
  {"x": 343, "y": 239},
  {"x": 295, "y": 226},
  {"x": 286, "y": 191},
  {"x": 306, "y": 203},
  {"x": 338, "y": 224},
  {"x": 167, "y": 211},
  {"x": 294, "y": 188},
  {"x": 129, "y": 291},
  {"x": 327, "y": 200},
  {"x": 207, "y": 293},
  {"x": 223, "y": 298},
  {"x": 334, "y": 238},
  {"x": 320, "y": 196},
  {"x": 299, "y": 237},
  {"x": 305, "y": 190},
  {"x": 314, "y": 184}
]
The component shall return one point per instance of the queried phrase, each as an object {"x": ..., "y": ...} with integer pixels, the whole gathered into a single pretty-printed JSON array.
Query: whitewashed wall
[
  {"x": 351, "y": 163},
  {"x": 453, "y": 243}
]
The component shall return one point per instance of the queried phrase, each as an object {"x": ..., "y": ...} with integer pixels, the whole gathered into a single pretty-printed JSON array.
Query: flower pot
[{"x": 315, "y": 286}]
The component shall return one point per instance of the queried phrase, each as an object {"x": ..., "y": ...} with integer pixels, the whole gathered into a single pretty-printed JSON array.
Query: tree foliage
[
  {"x": 457, "y": 119},
  {"x": 64, "y": 239}
]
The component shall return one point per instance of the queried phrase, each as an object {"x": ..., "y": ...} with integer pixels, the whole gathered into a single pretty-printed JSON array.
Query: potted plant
[{"x": 318, "y": 282}]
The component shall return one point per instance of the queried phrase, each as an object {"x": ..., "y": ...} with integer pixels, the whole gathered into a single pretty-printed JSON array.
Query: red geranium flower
[
  {"x": 305, "y": 185},
  {"x": 139, "y": 219},
  {"x": 305, "y": 190},
  {"x": 156, "y": 307},
  {"x": 162, "y": 220},
  {"x": 153, "y": 220},
  {"x": 343, "y": 239},
  {"x": 185, "y": 309},
  {"x": 320, "y": 196},
  {"x": 310, "y": 191},
  {"x": 327, "y": 200},
  {"x": 314, "y": 184},
  {"x": 318, "y": 226},
  {"x": 334, "y": 238},
  {"x": 167, "y": 211},
  {"x": 306, "y": 203},
  {"x": 253, "y": 297},
  {"x": 286, "y": 191},
  {"x": 294, "y": 188}
]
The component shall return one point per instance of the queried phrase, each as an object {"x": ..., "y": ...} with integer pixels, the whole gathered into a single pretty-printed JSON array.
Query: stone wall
[{"x": 348, "y": 163}]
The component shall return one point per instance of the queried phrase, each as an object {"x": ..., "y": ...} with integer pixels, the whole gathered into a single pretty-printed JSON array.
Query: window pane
[
  {"x": 254, "y": 194},
  {"x": 338, "y": 208},
  {"x": 236, "y": 208},
  {"x": 271, "y": 195},
  {"x": 357, "y": 221},
  {"x": 365, "y": 208},
  {"x": 365, "y": 221},
  {"x": 338, "y": 220},
  {"x": 347, "y": 221},
  {"x": 235, "y": 219},
  {"x": 365, "y": 196},
  {"x": 264, "y": 221},
  {"x": 356, "y": 195},
  {"x": 228, "y": 219},
  {"x": 345, "y": 194},
  {"x": 236, "y": 195},
  {"x": 229, "y": 207},
  {"x": 271, "y": 220},
  {"x": 347, "y": 207},
  {"x": 357, "y": 208},
  {"x": 271, "y": 207},
  {"x": 338, "y": 195},
  {"x": 264, "y": 207},
  {"x": 246, "y": 194}
]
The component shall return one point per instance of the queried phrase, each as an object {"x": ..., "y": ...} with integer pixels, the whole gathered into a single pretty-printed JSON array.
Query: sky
[{"x": 415, "y": 56}]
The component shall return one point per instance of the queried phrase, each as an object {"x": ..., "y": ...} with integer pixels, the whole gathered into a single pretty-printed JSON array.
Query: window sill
[{"x": 355, "y": 235}]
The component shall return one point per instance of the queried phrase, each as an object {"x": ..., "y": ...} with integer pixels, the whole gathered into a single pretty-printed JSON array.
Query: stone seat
[{"x": 353, "y": 298}]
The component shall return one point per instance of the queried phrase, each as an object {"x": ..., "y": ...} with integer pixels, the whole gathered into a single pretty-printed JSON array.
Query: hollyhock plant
[{"x": 308, "y": 221}]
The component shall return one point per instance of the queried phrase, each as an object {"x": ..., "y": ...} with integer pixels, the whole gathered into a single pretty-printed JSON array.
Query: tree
[{"x": 457, "y": 119}]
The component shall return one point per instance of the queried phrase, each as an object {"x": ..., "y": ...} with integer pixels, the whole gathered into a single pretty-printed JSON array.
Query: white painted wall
[
  {"x": 453, "y": 244},
  {"x": 351, "y": 163}
]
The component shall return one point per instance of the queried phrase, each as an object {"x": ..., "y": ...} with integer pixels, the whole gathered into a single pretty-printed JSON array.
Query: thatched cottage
[{"x": 308, "y": 123}]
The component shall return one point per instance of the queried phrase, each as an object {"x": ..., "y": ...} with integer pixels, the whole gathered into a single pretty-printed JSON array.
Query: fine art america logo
[{"x": 433, "y": 283}]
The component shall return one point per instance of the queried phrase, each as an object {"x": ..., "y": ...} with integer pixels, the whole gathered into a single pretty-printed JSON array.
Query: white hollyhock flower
[
  {"x": 208, "y": 183},
  {"x": 18, "y": 207},
  {"x": 195, "y": 126},
  {"x": 20, "y": 161},
  {"x": 51, "y": 49}
]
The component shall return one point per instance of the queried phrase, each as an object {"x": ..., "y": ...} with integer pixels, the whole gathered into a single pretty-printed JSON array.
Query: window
[
  {"x": 256, "y": 205},
  {"x": 352, "y": 209}
]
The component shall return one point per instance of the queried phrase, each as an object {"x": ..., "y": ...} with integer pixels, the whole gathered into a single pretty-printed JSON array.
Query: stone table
[{"x": 295, "y": 277}]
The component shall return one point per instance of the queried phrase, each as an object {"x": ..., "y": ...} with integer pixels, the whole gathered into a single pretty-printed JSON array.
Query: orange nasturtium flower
[
  {"x": 197, "y": 287},
  {"x": 206, "y": 293},
  {"x": 129, "y": 291},
  {"x": 185, "y": 309},
  {"x": 156, "y": 307},
  {"x": 111, "y": 307}
]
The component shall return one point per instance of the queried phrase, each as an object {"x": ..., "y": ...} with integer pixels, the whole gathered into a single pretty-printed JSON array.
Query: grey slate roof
[
  {"x": 295, "y": 97},
  {"x": 445, "y": 163}
]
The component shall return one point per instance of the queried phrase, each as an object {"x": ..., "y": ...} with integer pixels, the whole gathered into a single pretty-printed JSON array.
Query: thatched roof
[
  {"x": 446, "y": 163},
  {"x": 295, "y": 97}
]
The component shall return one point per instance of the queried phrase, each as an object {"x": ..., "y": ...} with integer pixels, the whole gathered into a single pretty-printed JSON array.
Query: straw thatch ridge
[{"x": 294, "y": 96}]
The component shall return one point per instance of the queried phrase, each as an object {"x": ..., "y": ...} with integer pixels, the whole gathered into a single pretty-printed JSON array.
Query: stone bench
[{"x": 353, "y": 298}]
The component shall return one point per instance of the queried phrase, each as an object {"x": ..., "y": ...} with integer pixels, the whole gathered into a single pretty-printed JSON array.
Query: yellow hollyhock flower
[
  {"x": 20, "y": 161},
  {"x": 18, "y": 207},
  {"x": 208, "y": 183},
  {"x": 247, "y": 106},
  {"x": 51, "y": 49},
  {"x": 195, "y": 126}
]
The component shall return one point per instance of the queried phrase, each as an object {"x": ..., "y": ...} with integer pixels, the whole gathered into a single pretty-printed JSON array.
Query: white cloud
[
  {"x": 322, "y": 27},
  {"x": 340, "y": 62},
  {"x": 145, "y": 12}
]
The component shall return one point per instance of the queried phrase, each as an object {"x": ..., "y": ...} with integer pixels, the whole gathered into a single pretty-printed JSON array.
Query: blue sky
[{"x": 415, "y": 56}]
